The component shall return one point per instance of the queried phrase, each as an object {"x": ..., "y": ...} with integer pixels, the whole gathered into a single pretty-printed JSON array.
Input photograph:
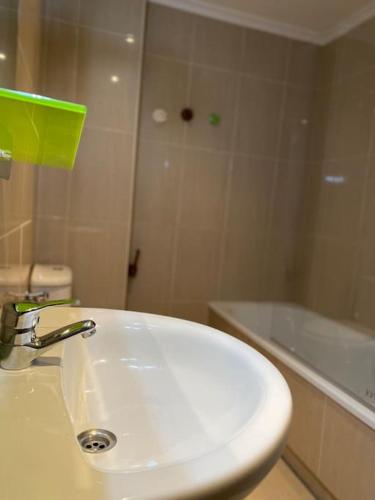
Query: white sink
[{"x": 196, "y": 413}]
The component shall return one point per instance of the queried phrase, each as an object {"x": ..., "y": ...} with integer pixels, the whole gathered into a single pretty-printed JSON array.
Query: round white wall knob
[{"x": 159, "y": 115}]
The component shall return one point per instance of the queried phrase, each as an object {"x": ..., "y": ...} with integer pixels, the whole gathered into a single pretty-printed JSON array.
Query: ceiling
[{"x": 318, "y": 21}]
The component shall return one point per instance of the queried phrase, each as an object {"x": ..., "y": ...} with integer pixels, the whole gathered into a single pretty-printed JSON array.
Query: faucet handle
[
  {"x": 27, "y": 306},
  {"x": 24, "y": 315}
]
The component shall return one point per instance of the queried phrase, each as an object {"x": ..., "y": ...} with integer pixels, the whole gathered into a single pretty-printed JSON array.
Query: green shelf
[{"x": 39, "y": 130}]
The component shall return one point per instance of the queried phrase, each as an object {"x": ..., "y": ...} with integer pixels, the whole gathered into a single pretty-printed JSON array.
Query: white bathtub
[{"x": 337, "y": 358}]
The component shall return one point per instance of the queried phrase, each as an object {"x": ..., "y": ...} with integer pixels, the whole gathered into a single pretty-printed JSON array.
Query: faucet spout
[{"x": 86, "y": 328}]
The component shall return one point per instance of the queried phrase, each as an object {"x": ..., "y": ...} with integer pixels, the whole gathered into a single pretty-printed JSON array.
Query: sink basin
[{"x": 196, "y": 413}]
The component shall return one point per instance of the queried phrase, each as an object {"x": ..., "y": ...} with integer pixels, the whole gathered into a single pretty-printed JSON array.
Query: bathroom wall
[
  {"x": 336, "y": 260},
  {"x": 92, "y": 55},
  {"x": 216, "y": 212},
  {"x": 19, "y": 45}
]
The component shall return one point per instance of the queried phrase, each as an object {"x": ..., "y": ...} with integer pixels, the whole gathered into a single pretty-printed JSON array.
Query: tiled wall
[
  {"x": 216, "y": 208},
  {"x": 336, "y": 268},
  {"x": 83, "y": 218},
  {"x": 19, "y": 41}
]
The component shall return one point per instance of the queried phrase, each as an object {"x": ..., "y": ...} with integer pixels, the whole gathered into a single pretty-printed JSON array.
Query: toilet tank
[
  {"x": 55, "y": 280},
  {"x": 14, "y": 282}
]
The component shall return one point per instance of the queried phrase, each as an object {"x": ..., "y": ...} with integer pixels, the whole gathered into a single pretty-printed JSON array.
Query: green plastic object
[
  {"x": 39, "y": 130},
  {"x": 214, "y": 119}
]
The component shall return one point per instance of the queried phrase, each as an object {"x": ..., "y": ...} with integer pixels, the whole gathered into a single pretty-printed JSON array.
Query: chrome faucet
[{"x": 19, "y": 344}]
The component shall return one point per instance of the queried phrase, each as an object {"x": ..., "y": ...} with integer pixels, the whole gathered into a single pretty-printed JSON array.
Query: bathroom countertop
[{"x": 41, "y": 457}]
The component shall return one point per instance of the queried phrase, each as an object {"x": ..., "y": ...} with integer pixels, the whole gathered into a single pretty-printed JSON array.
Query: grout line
[
  {"x": 79, "y": 25},
  {"x": 135, "y": 141},
  {"x": 70, "y": 177},
  {"x": 361, "y": 221},
  {"x": 21, "y": 246},
  {"x": 322, "y": 433},
  {"x": 227, "y": 200},
  {"x": 224, "y": 151},
  {"x": 99, "y": 128},
  {"x": 275, "y": 81},
  {"x": 176, "y": 231},
  {"x": 276, "y": 167},
  {"x": 15, "y": 229}
]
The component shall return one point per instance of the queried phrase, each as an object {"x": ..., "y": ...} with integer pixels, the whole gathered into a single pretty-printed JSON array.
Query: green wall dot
[{"x": 214, "y": 119}]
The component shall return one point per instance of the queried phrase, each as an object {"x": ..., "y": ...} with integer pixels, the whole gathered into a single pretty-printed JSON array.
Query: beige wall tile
[
  {"x": 212, "y": 92},
  {"x": 18, "y": 196},
  {"x": 217, "y": 44},
  {"x": 327, "y": 65},
  {"x": 153, "y": 280},
  {"x": 3, "y": 252},
  {"x": 8, "y": 46},
  {"x": 369, "y": 211},
  {"x": 102, "y": 57},
  {"x": 93, "y": 239},
  {"x": 329, "y": 123},
  {"x": 165, "y": 87},
  {"x": 28, "y": 41},
  {"x": 242, "y": 273},
  {"x": 280, "y": 271},
  {"x": 342, "y": 194},
  {"x": 19, "y": 41},
  {"x": 197, "y": 265},
  {"x": 99, "y": 260},
  {"x": 169, "y": 32},
  {"x": 353, "y": 117},
  {"x": 335, "y": 272},
  {"x": 192, "y": 311},
  {"x": 289, "y": 197},
  {"x": 251, "y": 195},
  {"x": 9, "y": 4},
  {"x": 50, "y": 200},
  {"x": 116, "y": 16},
  {"x": 51, "y": 240},
  {"x": 302, "y": 65},
  {"x": 265, "y": 55},
  {"x": 204, "y": 186},
  {"x": 367, "y": 258},
  {"x": 358, "y": 50},
  {"x": 364, "y": 310},
  {"x": 14, "y": 247},
  {"x": 144, "y": 305},
  {"x": 63, "y": 10},
  {"x": 10, "y": 248},
  {"x": 259, "y": 117},
  {"x": 59, "y": 60},
  {"x": 158, "y": 175},
  {"x": 348, "y": 455},
  {"x": 306, "y": 429},
  {"x": 312, "y": 194},
  {"x": 101, "y": 180},
  {"x": 319, "y": 112},
  {"x": 27, "y": 244},
  {"x": 296, "y": 124}
]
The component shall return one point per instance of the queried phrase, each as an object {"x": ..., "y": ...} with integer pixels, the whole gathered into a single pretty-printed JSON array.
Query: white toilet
[
  {"x": 25, "y": 282},
  {"x": 14, "y": 282},
  {"x": 55, "y": 280}
]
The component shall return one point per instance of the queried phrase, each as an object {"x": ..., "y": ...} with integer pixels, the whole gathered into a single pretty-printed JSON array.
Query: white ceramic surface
[{"x": 197, "y": 414}]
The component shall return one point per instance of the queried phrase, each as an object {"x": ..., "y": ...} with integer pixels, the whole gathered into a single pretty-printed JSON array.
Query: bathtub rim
[{"x": 342, "y": 398}]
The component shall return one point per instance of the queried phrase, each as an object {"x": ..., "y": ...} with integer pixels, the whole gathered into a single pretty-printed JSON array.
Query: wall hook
[
  {"x": 214, "y": 119},
  {"x": 159, "y": 115},
  {"x": 187, "y": 114}
]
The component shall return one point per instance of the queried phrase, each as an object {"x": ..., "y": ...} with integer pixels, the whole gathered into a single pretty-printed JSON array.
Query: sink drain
[{"x": 96, "y": 440}]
